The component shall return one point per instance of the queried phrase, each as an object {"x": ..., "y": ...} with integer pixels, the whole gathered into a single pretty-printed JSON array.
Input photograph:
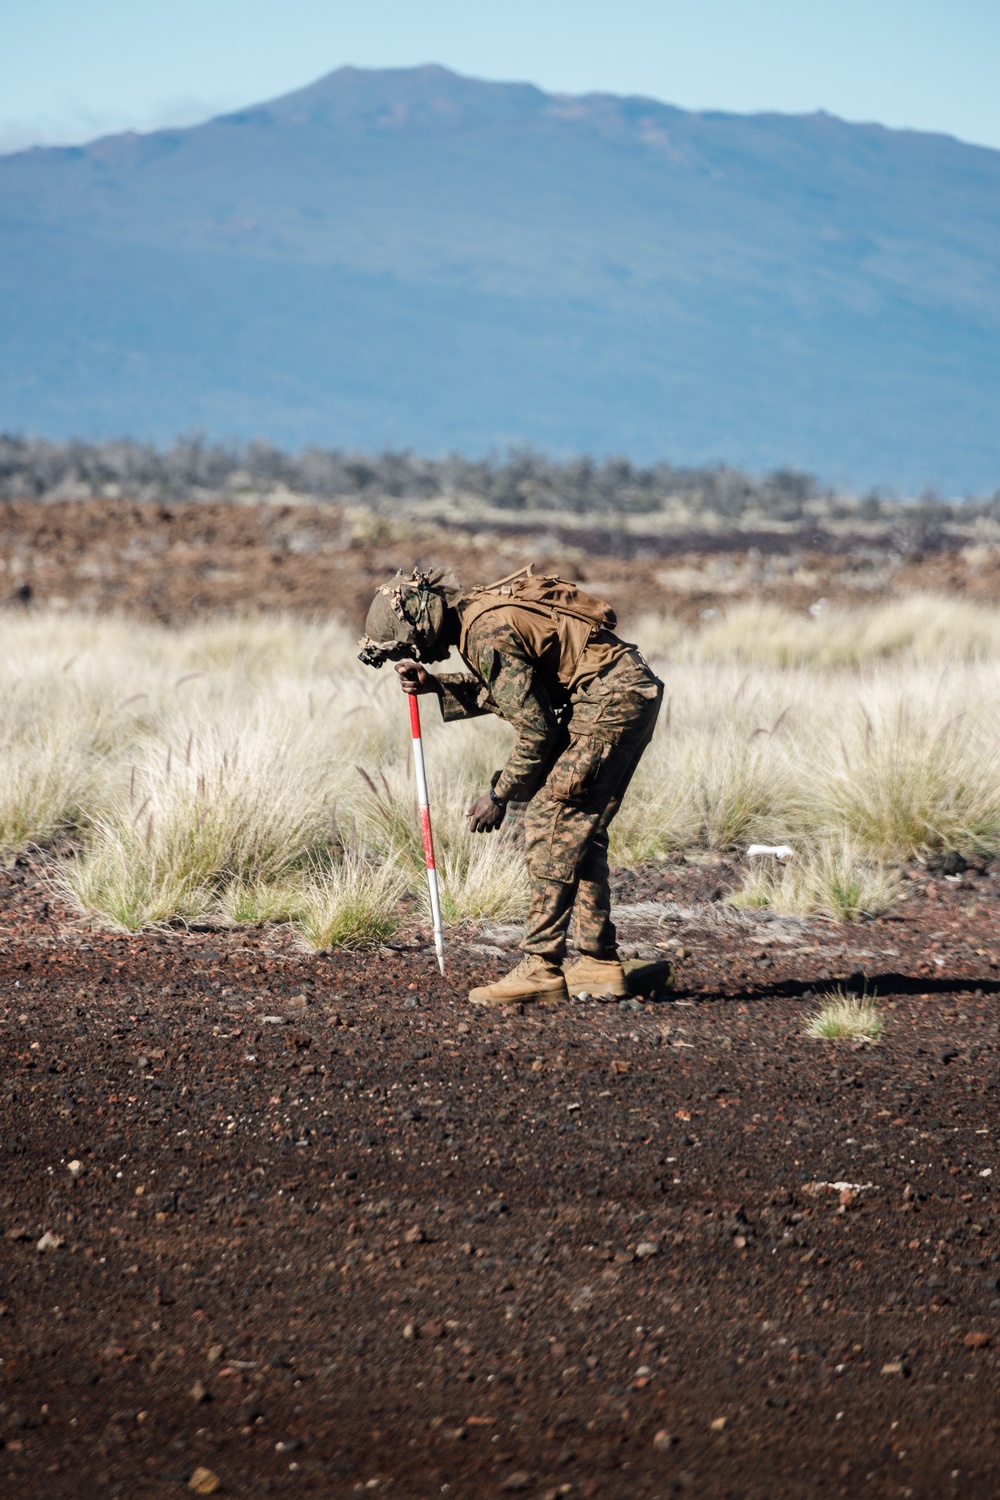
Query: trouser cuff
[{"x": 550, "y": 955}]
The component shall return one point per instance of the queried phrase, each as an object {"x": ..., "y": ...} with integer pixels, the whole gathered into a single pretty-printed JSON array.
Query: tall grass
[
  {"x": 915, "y": 772},
  {"x": 250, "y": 771},
  {"x": 919, "y": 629}
]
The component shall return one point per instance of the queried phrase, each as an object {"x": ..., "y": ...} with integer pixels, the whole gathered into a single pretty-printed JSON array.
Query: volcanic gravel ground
[{"x": 296, "y": 1224}]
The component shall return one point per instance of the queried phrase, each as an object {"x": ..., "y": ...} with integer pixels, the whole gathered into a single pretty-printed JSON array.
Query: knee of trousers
[
  {"x": 556, "y": 845},
  {"x": 549, "y": 899}
]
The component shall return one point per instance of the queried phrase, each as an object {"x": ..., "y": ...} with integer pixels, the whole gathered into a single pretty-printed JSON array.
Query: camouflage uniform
[{"x": 575, "y": 754}]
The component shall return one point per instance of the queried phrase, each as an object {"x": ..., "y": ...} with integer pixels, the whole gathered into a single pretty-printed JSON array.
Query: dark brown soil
[
  {"x": 332, "y": 1232},
  {"x": 196, "y": 558}
]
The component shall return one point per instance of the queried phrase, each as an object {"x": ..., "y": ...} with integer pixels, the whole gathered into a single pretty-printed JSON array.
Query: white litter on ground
[
  {"x": 778, "y": 851},
  {"x": 815, "y": 1188}
]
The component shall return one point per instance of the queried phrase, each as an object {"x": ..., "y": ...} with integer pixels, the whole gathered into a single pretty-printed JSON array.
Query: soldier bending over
[{"x": 542, "y": 655}]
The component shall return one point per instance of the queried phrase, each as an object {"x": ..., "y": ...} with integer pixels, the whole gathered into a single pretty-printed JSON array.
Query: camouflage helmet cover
[{"x": 406, "y": 618}]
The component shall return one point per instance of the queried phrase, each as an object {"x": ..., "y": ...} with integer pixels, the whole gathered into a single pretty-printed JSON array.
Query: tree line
[{"x": 521, "y": 480}]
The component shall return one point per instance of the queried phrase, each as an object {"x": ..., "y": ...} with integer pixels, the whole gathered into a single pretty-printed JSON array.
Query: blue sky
[{"x": 73, "y": 69}]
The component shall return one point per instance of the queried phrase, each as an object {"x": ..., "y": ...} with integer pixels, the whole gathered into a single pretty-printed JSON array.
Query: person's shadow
[{"x": 657, "y": 981}]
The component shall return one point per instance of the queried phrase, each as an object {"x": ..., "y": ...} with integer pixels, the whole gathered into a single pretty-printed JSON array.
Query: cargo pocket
[{"x": 581, "y": 770}]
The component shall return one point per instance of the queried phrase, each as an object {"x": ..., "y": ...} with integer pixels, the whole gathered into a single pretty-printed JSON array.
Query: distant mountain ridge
[{"x": 410, "y": 258}]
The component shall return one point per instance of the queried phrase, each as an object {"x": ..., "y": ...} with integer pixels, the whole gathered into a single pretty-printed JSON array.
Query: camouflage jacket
[{"x": 509, "y": 679}]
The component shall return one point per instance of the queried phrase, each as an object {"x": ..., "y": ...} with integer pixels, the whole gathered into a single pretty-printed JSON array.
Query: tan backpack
[{"x": 548, "y": 596}]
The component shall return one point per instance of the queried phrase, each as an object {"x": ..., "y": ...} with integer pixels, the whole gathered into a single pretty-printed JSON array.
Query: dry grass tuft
[
  {"x": 911, "y": 776},
  {"x": 482, "y": 879},
  {"x": 118, "y": 882},
  {"x": 255, "y": 903},
  {"x": 832, "y": 881},
  {"x": 354, "y": 905},
  {"x": 845, "y": 1017}
]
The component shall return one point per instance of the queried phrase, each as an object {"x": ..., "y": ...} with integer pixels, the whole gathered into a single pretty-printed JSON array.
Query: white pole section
[{"x": 425, "y": 828}]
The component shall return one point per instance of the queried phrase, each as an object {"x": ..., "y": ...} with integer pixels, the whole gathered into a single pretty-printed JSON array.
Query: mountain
[{"x": 413, "y": 258}]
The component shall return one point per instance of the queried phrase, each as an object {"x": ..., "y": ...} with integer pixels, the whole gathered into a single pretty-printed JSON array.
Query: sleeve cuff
[
  {"x": 458, "y": 698},
  {"x": 509, "y": 789}
]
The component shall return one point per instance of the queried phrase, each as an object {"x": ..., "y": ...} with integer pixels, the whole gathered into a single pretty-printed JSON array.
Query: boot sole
[
  {"x": 546, "y": 997},
  {"x": 611, "y": 991}
]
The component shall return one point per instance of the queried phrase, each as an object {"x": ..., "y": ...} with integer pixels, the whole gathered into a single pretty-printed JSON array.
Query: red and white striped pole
[{"x": 425, "y": 828}]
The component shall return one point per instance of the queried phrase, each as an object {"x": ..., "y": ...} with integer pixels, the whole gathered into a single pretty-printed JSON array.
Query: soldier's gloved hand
[
  {"x": 413, "y": 678},
  {"x": 485, "y": 814}
]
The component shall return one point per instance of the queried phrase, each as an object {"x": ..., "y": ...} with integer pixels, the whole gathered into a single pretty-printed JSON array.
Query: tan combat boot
[
  {"x": 602, "y": 978},
  {"x": 534, "y": 979}
]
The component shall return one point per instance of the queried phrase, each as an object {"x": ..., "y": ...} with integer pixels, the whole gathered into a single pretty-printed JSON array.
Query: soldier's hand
[
  {"x": 484, "y": 815},
  {"x": 413, "y": 678}
]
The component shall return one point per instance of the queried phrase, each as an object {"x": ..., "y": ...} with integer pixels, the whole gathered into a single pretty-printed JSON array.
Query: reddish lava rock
[{"x": 193, "y": 559}]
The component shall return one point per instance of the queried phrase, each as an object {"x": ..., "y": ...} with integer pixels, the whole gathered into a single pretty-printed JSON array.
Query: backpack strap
[
  {"x": 496, "y": 595},
  {"x": 528, "y": 572}
]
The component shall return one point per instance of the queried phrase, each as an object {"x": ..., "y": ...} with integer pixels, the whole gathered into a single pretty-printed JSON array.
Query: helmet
[{"x": 406, "y": 619}]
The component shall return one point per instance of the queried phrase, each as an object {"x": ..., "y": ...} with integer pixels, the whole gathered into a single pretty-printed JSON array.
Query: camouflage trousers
[{"x": 566, "y": 822}]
